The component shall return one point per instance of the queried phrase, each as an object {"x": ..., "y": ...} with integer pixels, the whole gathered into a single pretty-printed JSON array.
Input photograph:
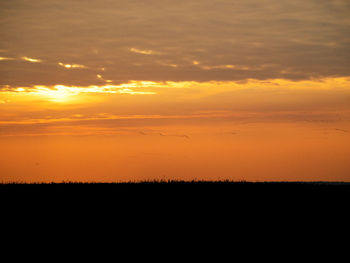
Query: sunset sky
[{"x": 129, "y": 90}]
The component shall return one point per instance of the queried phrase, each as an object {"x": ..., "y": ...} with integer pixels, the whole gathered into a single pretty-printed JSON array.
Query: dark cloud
[{"x": 269, "y": 38}]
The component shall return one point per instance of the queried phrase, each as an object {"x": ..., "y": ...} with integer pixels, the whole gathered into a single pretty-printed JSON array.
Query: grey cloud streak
[{"x": 272, "y": 38}]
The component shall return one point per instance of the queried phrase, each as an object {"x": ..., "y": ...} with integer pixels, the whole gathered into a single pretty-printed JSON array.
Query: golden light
[
  {"x": 5, "y": 58},
  {"x": 34, "y": 60},
  {"x": 59, "y": 93},
  {"x": 70, "y": 94},
  {"x": 144, "y": 52},
  {"x": 71, "y": 65}
]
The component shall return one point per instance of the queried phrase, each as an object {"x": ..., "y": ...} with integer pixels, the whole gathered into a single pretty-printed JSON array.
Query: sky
[{"x": 106, "y": 91}]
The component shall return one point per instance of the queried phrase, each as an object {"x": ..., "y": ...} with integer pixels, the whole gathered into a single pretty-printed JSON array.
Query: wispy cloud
[
  {"x": 234, "y": 41},
  {"x": 233, "y": 67},
  {"x": 5, "y": 58},
  {"x": 71, "y": 65},
  {"x": 33, "y": 60},
  {"x": 144, "y": 52},
  {"x": 228, "y": 66},
  {"x": 100, "y": 77},
  {"x": 167, "y": 64}
]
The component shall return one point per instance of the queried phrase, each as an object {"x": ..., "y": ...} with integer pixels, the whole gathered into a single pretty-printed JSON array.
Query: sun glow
[
  {"x": 68, "y": 94},
  {"x": 62, "y": 93},
  {"x": 58, "y": 94}
]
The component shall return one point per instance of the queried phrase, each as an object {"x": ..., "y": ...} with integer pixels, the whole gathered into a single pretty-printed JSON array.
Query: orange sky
[{"x": 141, "y": 90}]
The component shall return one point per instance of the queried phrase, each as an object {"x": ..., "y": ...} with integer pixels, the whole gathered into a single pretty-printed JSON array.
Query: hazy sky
[{"x": 255, "y": 89}]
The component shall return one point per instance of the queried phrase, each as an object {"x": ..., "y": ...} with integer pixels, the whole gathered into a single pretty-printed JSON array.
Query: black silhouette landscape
[
  {"x": 180, "y": 190},
  {"x": 194, "y": 90}
]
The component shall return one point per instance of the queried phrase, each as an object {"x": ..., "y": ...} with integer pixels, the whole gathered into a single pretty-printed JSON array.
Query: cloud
[
  {"x": 3, "y": 58},
  {"x": 71, "y": 65},
  {"x": 100, "y": 77},
  {"x": 299, "y": 40},
  {"x": 230, "y": 67},
  {"x": 33, "y": 60},
  {"x": 144, "y": 52}
]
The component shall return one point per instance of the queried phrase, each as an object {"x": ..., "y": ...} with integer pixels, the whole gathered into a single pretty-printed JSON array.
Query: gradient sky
[{"x": 112, "y": 90}]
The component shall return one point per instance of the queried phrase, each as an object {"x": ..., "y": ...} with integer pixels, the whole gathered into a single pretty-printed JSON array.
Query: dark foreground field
[
  {"x": 178, "y": 190},
  {"x": 176, "y": 201}
]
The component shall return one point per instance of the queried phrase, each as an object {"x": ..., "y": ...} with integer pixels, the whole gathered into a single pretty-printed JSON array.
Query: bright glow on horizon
[{"x": 62, "y": 93}]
